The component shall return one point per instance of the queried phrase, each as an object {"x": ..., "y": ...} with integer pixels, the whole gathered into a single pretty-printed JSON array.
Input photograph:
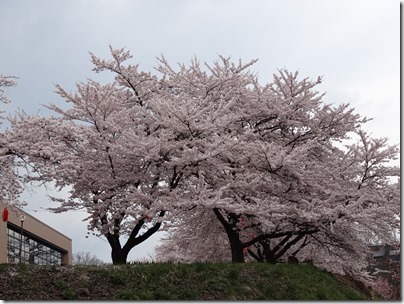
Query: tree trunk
[
  {"x": 119, "y": 256},
  {"x": 267, "y": 252},
  {"x": 236, "y": 247},
  {"x": 270, "y": 260},
  {"x": 237, "y": 255}
]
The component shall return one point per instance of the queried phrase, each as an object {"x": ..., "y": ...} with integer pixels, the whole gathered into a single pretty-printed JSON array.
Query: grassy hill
[{"x": 252, "y": 281}]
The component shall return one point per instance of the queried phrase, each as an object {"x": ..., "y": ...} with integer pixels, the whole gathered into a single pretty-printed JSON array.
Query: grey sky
[{"x": 354, "y": 44}]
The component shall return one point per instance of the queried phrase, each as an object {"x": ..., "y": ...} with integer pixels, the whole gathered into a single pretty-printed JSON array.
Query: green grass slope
[{"x": 252, "y": 281}]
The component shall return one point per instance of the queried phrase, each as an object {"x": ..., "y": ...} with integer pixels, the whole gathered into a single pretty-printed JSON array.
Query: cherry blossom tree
[
  {"x": 341, "y": 235},
  {"x": 111, "y": 167},
  {"x": 104, "y": 148},
  {"x": 293, "y": 184},
  {"x": 131, "y": 151},
  {"x": 9, "y": 182},
  {"x": 283, "y": 131}
]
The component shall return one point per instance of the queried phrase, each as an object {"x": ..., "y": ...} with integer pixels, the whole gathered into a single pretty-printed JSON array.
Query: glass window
[{"x": 33, "y": 251}]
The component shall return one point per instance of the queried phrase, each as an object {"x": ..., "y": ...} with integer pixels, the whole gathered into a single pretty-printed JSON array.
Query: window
[{"x": 32, "y": 251}]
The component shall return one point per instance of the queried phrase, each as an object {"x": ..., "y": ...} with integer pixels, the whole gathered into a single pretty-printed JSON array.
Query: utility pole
[{"x": 22, "y": 219}]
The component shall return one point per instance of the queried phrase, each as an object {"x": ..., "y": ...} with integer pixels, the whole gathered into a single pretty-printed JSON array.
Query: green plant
[
  {"x": 117, "y": 277},
  {"x": 69, "y": 294},
  {"x": 234, "y": 273},
  {"x": 18, "y": 282},
  {"x": 22, "y": 266},
  {"x": 162, "y": 294},
  {"x": 128, "y": 295},
  {"x": 199, "y": 267},
  {"x": 61, "y": 284},
  {"x": 217, "y": 283}
]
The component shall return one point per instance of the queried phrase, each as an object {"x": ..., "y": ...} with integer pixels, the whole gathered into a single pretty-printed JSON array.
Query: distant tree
[
  {"x": 199, "y": 237},
  {"x": 387, "y": 273},
  {"x": 86, "y": 258}
]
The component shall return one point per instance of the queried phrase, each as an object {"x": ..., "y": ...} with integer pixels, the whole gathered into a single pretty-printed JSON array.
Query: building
[
  {"x": 384, "y": 250},
  {"x": 25, "y": 238}
]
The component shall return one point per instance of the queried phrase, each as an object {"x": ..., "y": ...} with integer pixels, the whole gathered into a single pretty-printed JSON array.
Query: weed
[
  {"x": 22, "y": 267},
  {"x": 218, "y": 284},
  {"x": 69, "y": 294},
  {"x": 61, "y": 284},
  {"x": 155, "y": 281},
  {"x": 117, "y": 278},
  {"x": 128, "y": 295},
  {"x": 269, "y": 292},
  {"x": 199, "y": 267},
  {"x": 4, "y": 266},
  {"x": 18, "y": 282},
  {"x": 136, "y": 295},
  {"x": 234, "y": 273},
  {"x": 162, "y": 294}
]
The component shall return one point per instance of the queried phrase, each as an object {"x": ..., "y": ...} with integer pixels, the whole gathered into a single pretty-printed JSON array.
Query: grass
[{"x": 199, "y": 281}]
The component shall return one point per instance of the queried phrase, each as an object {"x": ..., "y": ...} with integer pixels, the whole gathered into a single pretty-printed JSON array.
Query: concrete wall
[{"x": 37, "y": 228}]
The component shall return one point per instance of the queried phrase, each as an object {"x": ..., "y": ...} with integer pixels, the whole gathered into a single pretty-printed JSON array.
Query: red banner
[{"x": 5, "y": 215}]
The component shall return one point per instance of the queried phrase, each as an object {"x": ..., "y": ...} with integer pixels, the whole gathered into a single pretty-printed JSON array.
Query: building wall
[
  {"x": 37, "y": 228},
  {"x": 3, "y": 238}
]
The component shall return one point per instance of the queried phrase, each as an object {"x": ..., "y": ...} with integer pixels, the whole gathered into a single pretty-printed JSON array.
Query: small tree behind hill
[{"x": 86, "y": 258}]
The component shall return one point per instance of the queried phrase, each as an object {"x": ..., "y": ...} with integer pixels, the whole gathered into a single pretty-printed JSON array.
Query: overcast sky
[{"x": 354, "y": 44}]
